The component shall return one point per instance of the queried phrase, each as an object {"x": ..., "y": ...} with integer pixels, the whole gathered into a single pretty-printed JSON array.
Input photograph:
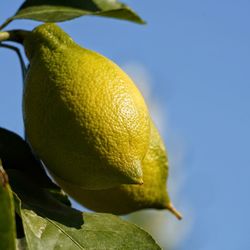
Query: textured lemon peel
[
  {"x": 80, "y": 105},
  {"x": 126, "y": 198}
]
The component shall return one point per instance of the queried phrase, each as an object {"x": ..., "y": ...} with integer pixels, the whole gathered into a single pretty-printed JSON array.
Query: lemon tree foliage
[
  {"x": 50, "y": 224},
  {"x": 15, "y": 153},
  {"x": 99, "y": 231},
  {"x": 62, "y": 10}
]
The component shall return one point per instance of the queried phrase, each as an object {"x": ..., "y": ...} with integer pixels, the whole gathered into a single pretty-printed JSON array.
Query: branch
[
  {"x": 15, "y": 49},
  {"x": 8, "y": 21}
]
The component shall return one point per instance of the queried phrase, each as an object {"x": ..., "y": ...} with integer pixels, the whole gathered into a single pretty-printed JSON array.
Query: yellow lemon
[
  {"x": 84, "y": 117},
  {"x": 129, "y": 198}
]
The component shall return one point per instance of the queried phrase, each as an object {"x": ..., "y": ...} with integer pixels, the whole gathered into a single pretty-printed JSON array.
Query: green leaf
[
  {"x": 49, "y": 224},
  {"x": 7, "y": 214},
  {"x": 99, "y": 231},
  {"x": 60, "y": 195},
  {"x": 62, "y": 10},
  {"x": 16, "y": 154},
  {"x": 21, "y": 244}
]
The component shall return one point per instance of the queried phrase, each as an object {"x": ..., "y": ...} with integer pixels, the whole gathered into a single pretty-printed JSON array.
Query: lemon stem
[
  {"x": 22, "y": 64},
  {"x": 8, "y": 21},
  {"x": 172, "y": 209},
  {"x": 13, "y": 35}
]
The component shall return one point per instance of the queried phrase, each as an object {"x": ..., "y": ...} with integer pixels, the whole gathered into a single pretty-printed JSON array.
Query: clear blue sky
[{"x": 198, "y": 54}]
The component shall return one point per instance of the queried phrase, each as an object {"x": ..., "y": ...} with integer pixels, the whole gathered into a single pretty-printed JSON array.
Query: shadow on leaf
[{"x": 41, "y": 202}]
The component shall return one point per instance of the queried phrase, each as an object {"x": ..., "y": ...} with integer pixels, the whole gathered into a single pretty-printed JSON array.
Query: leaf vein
[{"x": 66, "y": 234}]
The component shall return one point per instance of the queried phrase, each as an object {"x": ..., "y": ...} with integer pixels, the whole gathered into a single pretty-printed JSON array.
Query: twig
[
  {"x": 22, "y": 64},
  {"x": 15, "y": 49},
  {"x": 9, "y": 20}
]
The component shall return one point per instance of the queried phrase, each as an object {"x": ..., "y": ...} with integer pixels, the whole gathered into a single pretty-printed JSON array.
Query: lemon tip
[{"x": 170, "y": 207}]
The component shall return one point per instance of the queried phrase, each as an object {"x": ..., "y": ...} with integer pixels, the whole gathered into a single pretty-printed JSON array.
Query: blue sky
[{"x": 198, "y": 56}]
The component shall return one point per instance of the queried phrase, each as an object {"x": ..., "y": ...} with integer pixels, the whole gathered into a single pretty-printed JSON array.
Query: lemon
[
  {"x": 129, "y": 198},
  {"x": 84, "y": 117}
]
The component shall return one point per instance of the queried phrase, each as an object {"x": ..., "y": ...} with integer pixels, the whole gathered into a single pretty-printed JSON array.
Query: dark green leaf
[
  {"x": 62, "y": 10},
  {"x": 16, "y": 154},
  {"x": 49, "y": 224},
  {"x": 19, "y": 227},
  {"x": 59, "y": 195},
  {"x": 7, "y": 214},
  {"x": 41, "y": 200}
]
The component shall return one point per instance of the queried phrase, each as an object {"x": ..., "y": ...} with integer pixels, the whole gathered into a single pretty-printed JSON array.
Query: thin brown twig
[
  {"x": 8, "y": 21},
  {"x": 15, "y": 49}
]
